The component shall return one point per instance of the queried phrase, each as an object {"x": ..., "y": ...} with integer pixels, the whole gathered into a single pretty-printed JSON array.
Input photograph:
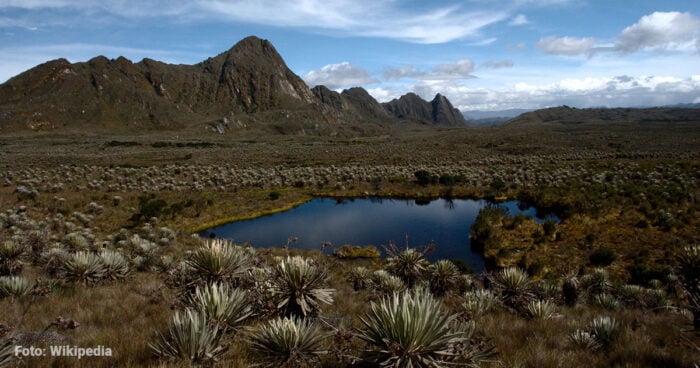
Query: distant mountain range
[{"x": 246, "y": 87}]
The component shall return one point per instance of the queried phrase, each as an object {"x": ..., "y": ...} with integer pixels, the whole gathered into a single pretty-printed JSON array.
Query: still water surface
[{"x": 373, "y": 221}]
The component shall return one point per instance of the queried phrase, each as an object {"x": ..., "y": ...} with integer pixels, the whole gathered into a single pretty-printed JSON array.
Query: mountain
[
  {"x": 566, "y": 115},
  {"x": 246, "y": 87},
  {"x": 410, "y": 107},
  {"x": 479, "y": 117}
]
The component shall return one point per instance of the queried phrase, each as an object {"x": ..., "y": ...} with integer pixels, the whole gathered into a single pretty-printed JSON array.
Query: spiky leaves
[
  {"x": 513, "y": 285},
  {"x": 541, "y": 309},
  {"x": 299, "y": 284},
  {"x": 115, "y": 264},
  {"x": 411, "y": 330},
  {"x": 220, "y": 260},
  {"x": 442, "y": 276},
  {"x": 606, "y": 330},
  {"x": 84, "y": 267},
  {"x": 688, "y": 271},
  {"x": 287, "y": 342},
  {"x": 221, "y": 304},
  {"x": 7, "y": 352},
  {"x": 190, "y": 338},
  {"x": 14, "y": 287},
  {"x": 360, "y": 278},
  {"x": 408, "y": 265},
  {"x": 478, "y": 303},
  {"x": 11, "y": 255}
]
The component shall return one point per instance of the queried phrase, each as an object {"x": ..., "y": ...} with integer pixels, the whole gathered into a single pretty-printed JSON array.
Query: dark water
[{"x": 371, "y": 221}]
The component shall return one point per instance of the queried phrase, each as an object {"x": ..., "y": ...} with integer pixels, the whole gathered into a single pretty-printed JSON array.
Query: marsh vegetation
[{"x": 100, "y": 234}]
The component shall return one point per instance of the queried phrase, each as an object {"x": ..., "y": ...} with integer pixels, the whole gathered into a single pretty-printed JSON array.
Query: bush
[
  {"x": 190, "y": 338},
  {"x": 287, "y": 342},
  {"x": 274, "y": 195},
  {"x": 411, "y": 330},
  {"x": 603, "y": 256},
  {"x": 423, "y": 177}
]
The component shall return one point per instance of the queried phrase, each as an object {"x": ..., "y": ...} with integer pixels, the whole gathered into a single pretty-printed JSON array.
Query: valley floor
[{"x": 627, "y": 195}]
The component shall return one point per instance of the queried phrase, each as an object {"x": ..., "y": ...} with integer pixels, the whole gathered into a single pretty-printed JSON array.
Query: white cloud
[
  {"x": 407, "y": 71},
  {"x": 341, "y": 75},
  {"x": 519, "y": 20},
  {"x": 616, "y": 91},
  {"x": 461, "y": 69},
  {"x": 565, "y": 45},
  {"x": 661, "y": 30},
  {"x": 382, "y": 94},
  {"x": 491, "y": 64},
  {"x": 373, "y": 18}
]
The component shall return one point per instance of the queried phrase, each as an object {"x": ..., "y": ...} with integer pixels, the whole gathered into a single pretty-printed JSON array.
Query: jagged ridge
[{"x": 248, "y": 84}]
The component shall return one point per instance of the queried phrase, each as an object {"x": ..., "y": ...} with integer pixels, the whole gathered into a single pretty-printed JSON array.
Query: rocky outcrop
[
  {"x": 244, "y": 87},
  {"x": 437, "y": 112}
]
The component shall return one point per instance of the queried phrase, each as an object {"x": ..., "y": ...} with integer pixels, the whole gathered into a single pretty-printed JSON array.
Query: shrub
[
  {"x": 411, "y": 330},
  {"x": 424, "y": 177},
  {"x": 222, "y": 305},
  {"x": 442, "y": 277},
  {"x": 11, "y": 255},
  {"x": 14, "y": 287},
  {"x": 606, "y": 330},
  {"x": 478, "y": 303},
  {"x": 84, "y": 267},
  {"x": 298, "y": 284},
  {"x": 513, "y": 285},
  {"x": 360, "y": 278},
  {"x": 386, "y": 284},
  {"x": 220, "y": 260},
  {"x": 115, "y": 264},
  {"x": 407, "y": 265},
  {"x": 603, "y": 256},
  {"x": 287, "y": 342},
  {"x": 274, "y": 195},
  {"x": 542, "y": 309},
  {"x": 190, "y": 338}
]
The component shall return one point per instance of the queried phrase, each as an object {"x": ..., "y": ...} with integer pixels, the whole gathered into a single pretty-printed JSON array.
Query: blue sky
[{"x": 481, "y": 54}]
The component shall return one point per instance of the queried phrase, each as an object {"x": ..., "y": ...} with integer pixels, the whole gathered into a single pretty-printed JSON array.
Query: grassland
[{"x": 627, "y": 195}]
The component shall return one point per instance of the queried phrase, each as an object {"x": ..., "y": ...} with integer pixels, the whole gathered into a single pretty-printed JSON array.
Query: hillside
[
  {"x": 565, "y": 115},
  {"x": 248, "y": 87}
]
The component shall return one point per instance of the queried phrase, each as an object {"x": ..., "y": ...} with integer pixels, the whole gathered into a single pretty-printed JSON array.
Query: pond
[{"x": 365, "y": 221}]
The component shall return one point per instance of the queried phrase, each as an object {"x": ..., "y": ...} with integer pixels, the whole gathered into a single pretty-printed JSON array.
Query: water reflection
[{"x": 372, "y": 221}]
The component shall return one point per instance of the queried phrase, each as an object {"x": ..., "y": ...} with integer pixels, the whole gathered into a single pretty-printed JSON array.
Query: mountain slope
[
  {"x": 410, "y": 107},
  {"x": 248, "y": 86}
]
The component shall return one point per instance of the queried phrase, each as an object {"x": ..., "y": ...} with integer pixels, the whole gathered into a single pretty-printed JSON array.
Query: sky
[{"x": 481, "y": 54}]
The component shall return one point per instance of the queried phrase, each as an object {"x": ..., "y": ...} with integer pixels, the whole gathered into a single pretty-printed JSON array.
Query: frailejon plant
[
  {"x": 688, "y": 271},
  {"x": 228, "y": 307},
  {"x": 11, "y": 255},
  {"x": 220, "y": 260},
  {"x": 84, "y": 267},
  {"x": 410, "y": 329},
  {"x": 479, "y": 302},
  {"x": 190, "y": 338},
  {"x": 287, "y": 342},
  {"x": 408, "y": 265},
  {"x": 7, "y": 352},
  {"x": 14, "y": 287},
  {"x": 115, "y": 264},
  {"x": 299, "y": 286},
  {"x": 442, "y": 276},
  {"x": 606, "y": 330},
  {"x": 384, "y": 284},
  {"x": 541, "y": 309},
  {"x": 360, "y": 278},
  {"x": 513, "y": 286}
]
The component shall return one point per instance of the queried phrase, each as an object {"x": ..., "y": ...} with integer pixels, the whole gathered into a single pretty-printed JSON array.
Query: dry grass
[{"x": 124, "y": 315}]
